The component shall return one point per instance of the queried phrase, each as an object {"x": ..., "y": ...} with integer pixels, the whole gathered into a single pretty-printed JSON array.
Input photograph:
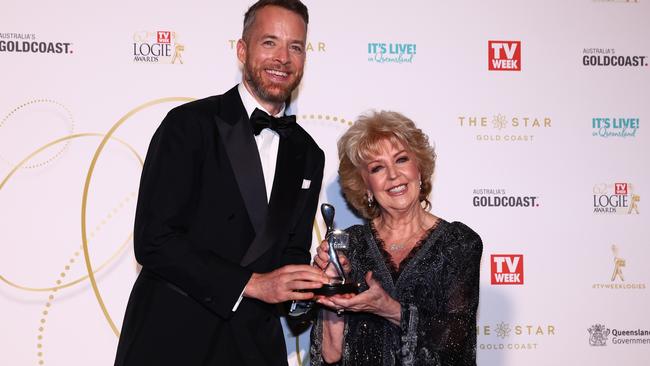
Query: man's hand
[{"x": 284, "y": 283}]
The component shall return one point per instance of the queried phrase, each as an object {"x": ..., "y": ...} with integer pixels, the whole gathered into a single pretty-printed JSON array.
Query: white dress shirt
[{"x": 267, "y": 142}]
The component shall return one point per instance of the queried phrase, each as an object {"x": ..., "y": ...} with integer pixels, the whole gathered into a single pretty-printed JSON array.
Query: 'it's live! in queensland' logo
[
  {"x": 504, "y": 55},
  {"x": 396, "y": 53},
  {"x": 614, "y": 127},
  {"x": 617, "y": 198},
  {"x": 507, "y": 269},
  {"x": 159, "y": 47},
  {"x": 500, "y": 128}
]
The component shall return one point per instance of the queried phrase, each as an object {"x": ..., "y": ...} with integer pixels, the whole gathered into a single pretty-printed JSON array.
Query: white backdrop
[{"x": 85, "y": 84}]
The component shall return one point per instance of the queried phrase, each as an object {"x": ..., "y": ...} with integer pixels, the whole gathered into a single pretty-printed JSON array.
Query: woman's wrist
[{"x": 393, "y": 312}]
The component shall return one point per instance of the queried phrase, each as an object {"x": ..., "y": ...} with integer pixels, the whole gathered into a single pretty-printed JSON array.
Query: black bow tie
[{"x": 282, "y": 125}]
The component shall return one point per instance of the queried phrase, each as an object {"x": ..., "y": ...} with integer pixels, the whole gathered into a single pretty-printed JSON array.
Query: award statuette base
[{"x": 337, "y": 289}]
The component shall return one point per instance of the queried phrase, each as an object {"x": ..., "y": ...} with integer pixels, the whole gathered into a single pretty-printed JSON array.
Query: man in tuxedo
[{"x": 225, "y": 211}]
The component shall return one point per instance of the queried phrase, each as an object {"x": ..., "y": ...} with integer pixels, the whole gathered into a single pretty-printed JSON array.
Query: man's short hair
[{"x": 295, "y": 6}]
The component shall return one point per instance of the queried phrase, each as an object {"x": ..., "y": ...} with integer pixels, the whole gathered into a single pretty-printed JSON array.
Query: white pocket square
[{"x": 306, "y": 183}]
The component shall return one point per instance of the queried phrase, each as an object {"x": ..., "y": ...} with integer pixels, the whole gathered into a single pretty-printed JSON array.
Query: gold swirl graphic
[
  {"x": 32, "y": 102},
  {"x": 29, "y": 157},
  {"x": 51, "y": 297},
  {"x": 326, "y": 117}
]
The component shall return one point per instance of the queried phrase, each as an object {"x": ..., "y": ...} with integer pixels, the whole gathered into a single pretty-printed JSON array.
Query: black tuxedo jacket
[{"x": 203, "y": 226}]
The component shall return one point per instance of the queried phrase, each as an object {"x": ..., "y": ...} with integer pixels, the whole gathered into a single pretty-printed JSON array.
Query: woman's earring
[
  {"x": 420, "y": 184},
  {"x": 371, "y": 200}
]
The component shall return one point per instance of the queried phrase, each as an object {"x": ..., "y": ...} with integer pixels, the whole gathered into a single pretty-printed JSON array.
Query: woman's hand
[
  {"x": 321, "y": 260},
  {"x": 375, "y": 300}
]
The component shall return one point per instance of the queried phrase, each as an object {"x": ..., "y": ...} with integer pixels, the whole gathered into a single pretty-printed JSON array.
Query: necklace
[
  {"x": 393, "y": 247},
  {"x": 402, "y": 244}
]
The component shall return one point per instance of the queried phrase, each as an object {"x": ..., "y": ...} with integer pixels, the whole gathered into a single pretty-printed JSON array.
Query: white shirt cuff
[{"x": 241, "y": 296}]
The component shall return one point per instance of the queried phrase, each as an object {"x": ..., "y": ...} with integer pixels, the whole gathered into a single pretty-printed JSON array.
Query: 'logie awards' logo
[
  {"x": 159, "y": 47},
  {"x": 617, "y": 198}
]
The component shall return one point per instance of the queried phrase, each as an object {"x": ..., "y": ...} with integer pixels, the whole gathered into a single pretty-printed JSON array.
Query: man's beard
[{"x": 269, "y": 91}]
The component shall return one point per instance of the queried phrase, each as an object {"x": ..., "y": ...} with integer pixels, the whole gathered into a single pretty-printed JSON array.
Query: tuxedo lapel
[
  {"x": 286, "y": 184},
  {"x": 237, "y": 137}
]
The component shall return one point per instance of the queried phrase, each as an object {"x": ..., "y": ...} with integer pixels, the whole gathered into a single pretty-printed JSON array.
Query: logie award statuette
[{"x": 338, "y": 241}]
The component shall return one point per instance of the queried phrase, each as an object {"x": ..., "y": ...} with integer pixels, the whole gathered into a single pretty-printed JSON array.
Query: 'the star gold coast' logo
[
  {"x": 311, "y": 46},
  {"x": 503, "y": 335},
  {"x": 157, "y": 47},
  {"x": 501, "y": 128}
]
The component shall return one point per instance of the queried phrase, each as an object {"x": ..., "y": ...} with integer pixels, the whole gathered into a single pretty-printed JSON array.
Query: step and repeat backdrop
[{"x": 537, "y": 110}]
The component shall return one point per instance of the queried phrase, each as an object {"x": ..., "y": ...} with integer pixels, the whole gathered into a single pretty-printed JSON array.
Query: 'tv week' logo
[{"x": 504, "y": 55}]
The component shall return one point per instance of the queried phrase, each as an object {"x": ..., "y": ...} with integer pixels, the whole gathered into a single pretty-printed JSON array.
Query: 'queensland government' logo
[
  {"x": 158, "y": 47},
  {"x": 506, "y": 336},
  {"x": 500, "y": 128},
  {"x": 617, "y": 198},
  {"x": 614, "y": 127},
  {"x": 29, "y": 43},
  {"x": 396, "y": 53},
  {"x": 599, "y": 333},
  {"x": 608, "y": 57}
]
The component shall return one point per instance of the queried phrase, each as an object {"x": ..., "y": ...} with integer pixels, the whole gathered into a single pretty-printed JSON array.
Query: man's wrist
[{"x": 249, "y": 288}]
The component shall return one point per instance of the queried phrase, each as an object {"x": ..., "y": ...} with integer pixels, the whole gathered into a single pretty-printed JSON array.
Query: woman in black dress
[{"x": 419, "y": 274}]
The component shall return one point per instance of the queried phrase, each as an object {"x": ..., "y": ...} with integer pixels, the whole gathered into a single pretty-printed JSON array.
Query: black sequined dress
[{"x": 437, "y": 286}]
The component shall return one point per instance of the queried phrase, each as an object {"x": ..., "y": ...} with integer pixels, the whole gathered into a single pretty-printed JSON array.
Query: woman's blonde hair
[{"x": 363, "y": 140}]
